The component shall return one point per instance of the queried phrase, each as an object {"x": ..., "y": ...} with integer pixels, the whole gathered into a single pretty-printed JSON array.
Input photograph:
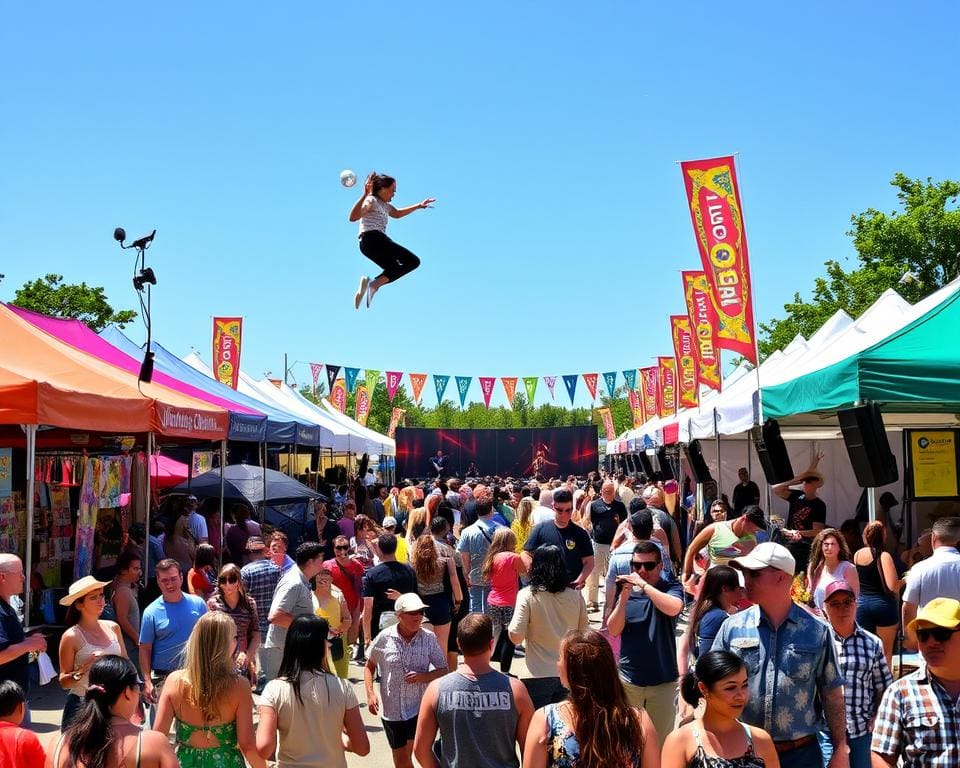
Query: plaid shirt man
[
  {"x": 865, "y": 677},
  {"x": 918, "y": 720},
  {"x": 260, "y": 580}
]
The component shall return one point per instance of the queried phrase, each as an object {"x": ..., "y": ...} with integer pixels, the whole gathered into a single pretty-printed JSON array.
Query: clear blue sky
[{"x": 547, "y": 131}]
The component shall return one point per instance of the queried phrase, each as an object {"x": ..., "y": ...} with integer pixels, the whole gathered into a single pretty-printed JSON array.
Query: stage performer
[
  {"x": 372, "y": 210},
  {"x": 439, "y": 463}
]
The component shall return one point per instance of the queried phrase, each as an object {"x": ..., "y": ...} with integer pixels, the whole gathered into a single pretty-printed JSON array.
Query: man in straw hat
[
  {"x": 918, "y": 720},
  {"x": 808, "y": 513}
]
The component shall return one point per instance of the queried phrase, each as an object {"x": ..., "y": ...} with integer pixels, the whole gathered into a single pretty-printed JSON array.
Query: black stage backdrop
[{"x": 505, "y": 452}]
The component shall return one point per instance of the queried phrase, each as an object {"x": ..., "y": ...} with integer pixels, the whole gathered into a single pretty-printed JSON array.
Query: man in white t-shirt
[{"x": 544, "y": 512}]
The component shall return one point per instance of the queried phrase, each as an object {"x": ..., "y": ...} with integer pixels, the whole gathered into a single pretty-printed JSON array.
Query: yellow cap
[{"x": 939, "y": 612}]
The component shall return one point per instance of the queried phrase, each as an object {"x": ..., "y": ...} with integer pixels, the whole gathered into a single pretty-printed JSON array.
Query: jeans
[
  {"x": 544, "y": 690},
  {"x": 71, "y": 707},
  {"x": 601, "y": 562},
  {"x": 807, "y": 756},
  {"x": 478, "y": 598},
  {"x": 658, "y": 700},
  {"x": 859, "y": 749}
]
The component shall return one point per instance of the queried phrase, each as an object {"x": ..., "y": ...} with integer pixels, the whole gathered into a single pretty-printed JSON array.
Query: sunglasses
[
  {"x": 940, "y": 634},
  {"x": 643, "y": 566},
  {"x": 228, "y": 579},
  {"x": 341, "y": 548}
]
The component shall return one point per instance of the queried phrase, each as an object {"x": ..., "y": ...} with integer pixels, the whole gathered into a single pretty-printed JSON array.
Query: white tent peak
[{"x": 837, "y": 323}]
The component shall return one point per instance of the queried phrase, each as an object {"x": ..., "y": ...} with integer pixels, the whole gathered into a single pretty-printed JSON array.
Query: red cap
[{"x": 837, "y": 586}]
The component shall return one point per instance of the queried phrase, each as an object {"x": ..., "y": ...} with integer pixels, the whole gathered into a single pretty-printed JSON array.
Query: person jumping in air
[{"x": 371, "y": 210}]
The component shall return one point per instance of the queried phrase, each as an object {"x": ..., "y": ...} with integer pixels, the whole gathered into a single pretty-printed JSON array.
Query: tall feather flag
[
  {"x": 338, "y": 395},
  {"x": 649, "y": 391},
  {"x": 607, "y": 418},
  {"x": 685, "y": 351},
  {"x": 703, "y": 324},
  {"x": 668, "y": 385},
  {"x": 362, "y": 405}
]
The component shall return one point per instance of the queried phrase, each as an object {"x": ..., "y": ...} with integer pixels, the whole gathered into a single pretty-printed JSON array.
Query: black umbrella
[{"x": 244, "y": 482}]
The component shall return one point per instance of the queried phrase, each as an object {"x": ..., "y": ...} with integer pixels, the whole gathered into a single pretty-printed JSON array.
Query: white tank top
[
  {"x": 375, "y": 218},
  {"x": 86, "y": 651}
]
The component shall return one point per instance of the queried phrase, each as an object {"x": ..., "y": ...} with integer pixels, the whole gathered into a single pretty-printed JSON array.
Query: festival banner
[
  {"x": 486, "y": 387},
  {"x": 636, "y": 407},
  {"x": 393, "y": 383},
  {"x": 362, "y": 409},
  {"x": 510, "y": 387},
  {"x": 591, "y": 382},
  {"x": 440, "y": 382},
  {"x": 338, "y": 395},
  {"x": 417, "y": 380},
  {"x": 395, "y": 417},
  {"x": 315, "y": 369},
  {"x": 668, "y": 386},
  {"x": 530, "y": 384},
  {"x": 332, "y": 371},
  {"x": 717, "y": 214},
  {"x": 607, "y": 419},
  {"x": 463, "y": 386},
  {"x": 630, "y": 377},
  {"x": 649, "y": 390},
  {"x": 570, "y": 382},
  {"x": 550, "y": 381},
  {"x": 351, "y": 374},
  {"x": 685, "y": 351},
  {"x": 610, "y": 380},
  {"x": 370, "y": 380},
  {"x": 703, "y": 324},
  {"x": 226, "y": 349}
]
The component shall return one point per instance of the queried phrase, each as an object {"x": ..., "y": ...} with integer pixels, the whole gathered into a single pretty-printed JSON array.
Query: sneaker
[
  {"x": 370, "y": 291},
  {"x": 358, "y": 297}
]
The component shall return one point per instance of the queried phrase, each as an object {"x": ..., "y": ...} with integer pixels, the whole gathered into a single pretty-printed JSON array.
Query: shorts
[
  {"x": 400, "y": 732},
  {"x": 439, "y": 609}
]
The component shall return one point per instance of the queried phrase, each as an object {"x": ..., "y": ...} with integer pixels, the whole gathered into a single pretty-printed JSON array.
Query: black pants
[{"x": 395, "y": 260}]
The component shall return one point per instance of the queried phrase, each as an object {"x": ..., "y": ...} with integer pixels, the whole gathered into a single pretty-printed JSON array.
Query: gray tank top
[{"x": 478, "y": 721}]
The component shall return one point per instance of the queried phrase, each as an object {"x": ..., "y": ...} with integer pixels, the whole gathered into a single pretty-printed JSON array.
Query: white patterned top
[{"x": 375, "y": 214}]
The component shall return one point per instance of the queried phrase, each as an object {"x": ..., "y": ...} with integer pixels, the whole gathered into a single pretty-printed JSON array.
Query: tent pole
[
  {"x": 28, "y": 547},
  {"x": 716, "y": 434},
  {"x": 223, "y": 484},
  {"x": 263, "y": 468},
  {"x": 872, "y": 505},
  {"x": 146, "y": 549}
]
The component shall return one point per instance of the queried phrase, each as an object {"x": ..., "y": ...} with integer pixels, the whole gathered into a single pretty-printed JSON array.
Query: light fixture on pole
[{"x": 143, "y": 278}]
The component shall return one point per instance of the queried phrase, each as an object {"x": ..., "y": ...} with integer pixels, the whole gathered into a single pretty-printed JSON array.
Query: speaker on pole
[
  {"x": 698, "y": 467},
  {"x": 772, "y": 452},
  {"x": 864, "y": 435},
  {"x": 646, "y": 466},
  {"x": 666, "y": 470}
]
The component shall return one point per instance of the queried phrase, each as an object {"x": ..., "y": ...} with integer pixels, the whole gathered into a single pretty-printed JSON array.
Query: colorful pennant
[
  {"x": 417, "y": 380},
  {"x": 351, "y": 374},
  {"x": 486, "y": 387},
  {"x": 630, "y": 377},
  {"x": 570, "y": 382},
  {"x": 393, "y": 383},
  {"x": 510, "y": 388},
  {"x": 463, "y": 386},
  {"x": 591, "y": 381},
  {"x": 440, "y": 382},
  {"x": 550, "y": 381},
  {"x": 332, "y": 371},
  {"x": 610, "y": 380}
]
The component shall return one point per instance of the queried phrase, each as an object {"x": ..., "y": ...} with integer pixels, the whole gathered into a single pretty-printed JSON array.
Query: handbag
[{"x": 336, "y": 647}]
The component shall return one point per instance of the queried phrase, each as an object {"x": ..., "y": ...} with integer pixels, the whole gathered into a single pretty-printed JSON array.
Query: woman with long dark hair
[
  {"x": 202, "y": 578},
  {"x": 717, "y": 739},
  {"x": 102, "y": 734},
  {"x": 830, "y": 561},
  {"x": 372, "y": 210},
  {"x": 879, "y": 588},
  {"x": 232, "y": 599},
  {"x": 720, "y": 591},
  {"x": 546, "y": 608},
  {"x": 315, "y": 712},
  {"x": 595, "y": 727}
]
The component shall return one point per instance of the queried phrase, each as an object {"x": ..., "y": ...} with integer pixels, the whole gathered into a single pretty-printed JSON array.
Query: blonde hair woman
[
  {"x": 523, "y": 522},
  {"x": 212, "y": 705},
  {"x": 332, "y": 606}
]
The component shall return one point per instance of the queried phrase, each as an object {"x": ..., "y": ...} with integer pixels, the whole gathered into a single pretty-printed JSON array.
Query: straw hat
[{"x": 82, "y": 588}]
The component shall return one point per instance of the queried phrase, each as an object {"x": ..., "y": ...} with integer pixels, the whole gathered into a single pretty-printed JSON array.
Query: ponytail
[
  {"x": 710, "y": 669},
  {"x": 90, "y": 737},
  {"x": 689, "y": 689}
]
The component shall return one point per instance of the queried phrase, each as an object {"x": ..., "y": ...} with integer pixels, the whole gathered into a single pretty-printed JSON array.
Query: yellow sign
[{"x": 934, "y": 458}]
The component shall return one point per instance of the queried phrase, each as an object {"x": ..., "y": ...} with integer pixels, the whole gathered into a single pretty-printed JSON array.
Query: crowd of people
[{"x": 433, "y": 589}]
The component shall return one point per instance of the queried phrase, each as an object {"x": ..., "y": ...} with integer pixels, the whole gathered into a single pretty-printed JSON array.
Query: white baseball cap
[
  {"x": 409, "y": 603},
  {"x": 767, "y": 555}
]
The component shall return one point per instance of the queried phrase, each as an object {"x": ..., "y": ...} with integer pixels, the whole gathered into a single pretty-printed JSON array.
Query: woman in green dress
[{"x": 211, "y": 703}]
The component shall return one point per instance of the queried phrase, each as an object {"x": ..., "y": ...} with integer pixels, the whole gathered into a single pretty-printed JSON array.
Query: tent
[
  {"x": 166, "y": 472},
  {"x": 381, "y": 443},
  {"x": 244, "y": 482}
]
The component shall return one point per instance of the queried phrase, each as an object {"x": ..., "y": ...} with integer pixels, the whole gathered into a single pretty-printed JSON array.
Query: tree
[
  {"x": 51, "y": 296},
  {"x": 915, "y": 251}
]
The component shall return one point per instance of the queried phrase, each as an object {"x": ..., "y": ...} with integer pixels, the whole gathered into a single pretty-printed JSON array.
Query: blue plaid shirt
[
  {"x": 788, "y": 667},
  {"x": 865, "y": 677},
  {"x": 260, "y": 580}
]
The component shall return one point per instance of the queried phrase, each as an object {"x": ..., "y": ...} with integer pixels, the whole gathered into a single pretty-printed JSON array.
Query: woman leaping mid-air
[{"x": 372, "y": 210}]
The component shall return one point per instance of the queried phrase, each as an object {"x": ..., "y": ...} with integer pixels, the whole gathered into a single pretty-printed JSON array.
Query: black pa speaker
[
  {"x": 666, "y": 469},
  {"x": 867, "y": 446},
  {"x": 646, "y": 466},
  {"x": 772, "y": 452},
  {"x": 335, "y": 475},
  {"x": 698, "y": 467}
]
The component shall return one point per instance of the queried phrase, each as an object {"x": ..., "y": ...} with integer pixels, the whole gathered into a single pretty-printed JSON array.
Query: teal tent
[{"x": 914, "y": 370}]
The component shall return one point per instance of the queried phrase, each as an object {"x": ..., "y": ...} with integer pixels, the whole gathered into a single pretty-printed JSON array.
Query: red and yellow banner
[
  {"x": 395, "y": 417},
  {"x": 703, "y": 323},
  {"x": 649, "y": 391},
  {"x": 636, "y": 407},
  {"x": 607, "y": 419},
  {"x": 510, "y": 387},
  {"x": 417, "y": 380},
  {"x": 717, "y": 214},
  {"x": 362, "y": 405},
  {"x": 226, "y": 349},
  {"x": 685, "y": 352},
  {"x": 338, "y": 395},
  {"x": 668, "y": 385}
]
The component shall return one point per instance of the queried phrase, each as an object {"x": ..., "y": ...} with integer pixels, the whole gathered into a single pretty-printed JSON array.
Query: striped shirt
[
  {"x": 394, "y": 657},
  {"x": 918, "y": 720},
  {"x": 260, "y": 580},
  {"x": 865, "y": 677},
  {"x": 375, "y": 213}
]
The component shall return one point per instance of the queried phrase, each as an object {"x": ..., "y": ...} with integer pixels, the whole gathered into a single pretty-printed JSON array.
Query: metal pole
[
  {"x": 716, "y": 433},
  {"x": 146, "y": 549},
  {"x": 28, "y": 554},
  {"x": 223, "y": 488}
]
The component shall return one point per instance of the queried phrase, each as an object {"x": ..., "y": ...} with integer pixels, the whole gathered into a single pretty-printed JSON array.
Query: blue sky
[{"x": 548, "y": 132}]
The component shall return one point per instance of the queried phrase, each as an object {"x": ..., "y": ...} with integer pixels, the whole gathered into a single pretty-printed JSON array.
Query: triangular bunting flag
[
  {"x": 630, "y": 377},
  {"x": 351, "y": 374},
  {"x": 440, "y": 382},
  {"x": 370, "y": 381},
  {"x": 315, "y": 369},
  {"x": 550, "y": 381},
  {"x": 610, "y": 379},
  {"x": 332, "y": 371},
  {"x": 486, "y": 386},
  {"x": 463, "y": 386},
  {"x": 530, "y": 384},
  {"x": 417, "y": 380},
  {"x": 510, "y": 387},
  {"x": 570, "y": 382},
  {"x": 591, "y": 381},
  {"x": 393, "y": 382}
]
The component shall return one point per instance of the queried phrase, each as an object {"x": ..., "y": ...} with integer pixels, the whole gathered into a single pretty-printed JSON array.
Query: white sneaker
[
  {"x": 358, "y": 297},
  {"x": 370, "y": 292}
]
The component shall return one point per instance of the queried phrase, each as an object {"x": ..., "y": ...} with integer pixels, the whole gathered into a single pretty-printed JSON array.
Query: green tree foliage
[
  {"x": 921, "y": 241},
  {"x": 51, "y": 296}
]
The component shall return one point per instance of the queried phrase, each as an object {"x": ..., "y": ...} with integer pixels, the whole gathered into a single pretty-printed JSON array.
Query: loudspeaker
[
  {"x": 772, "y": 452},
  {"x": 666, "y": 469},
  {"x": 698, "y": 467},
  {"x": 335, "y": 475},
  {"x": 646, "y": 466},
  {"x": 867, "y": 446}
]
